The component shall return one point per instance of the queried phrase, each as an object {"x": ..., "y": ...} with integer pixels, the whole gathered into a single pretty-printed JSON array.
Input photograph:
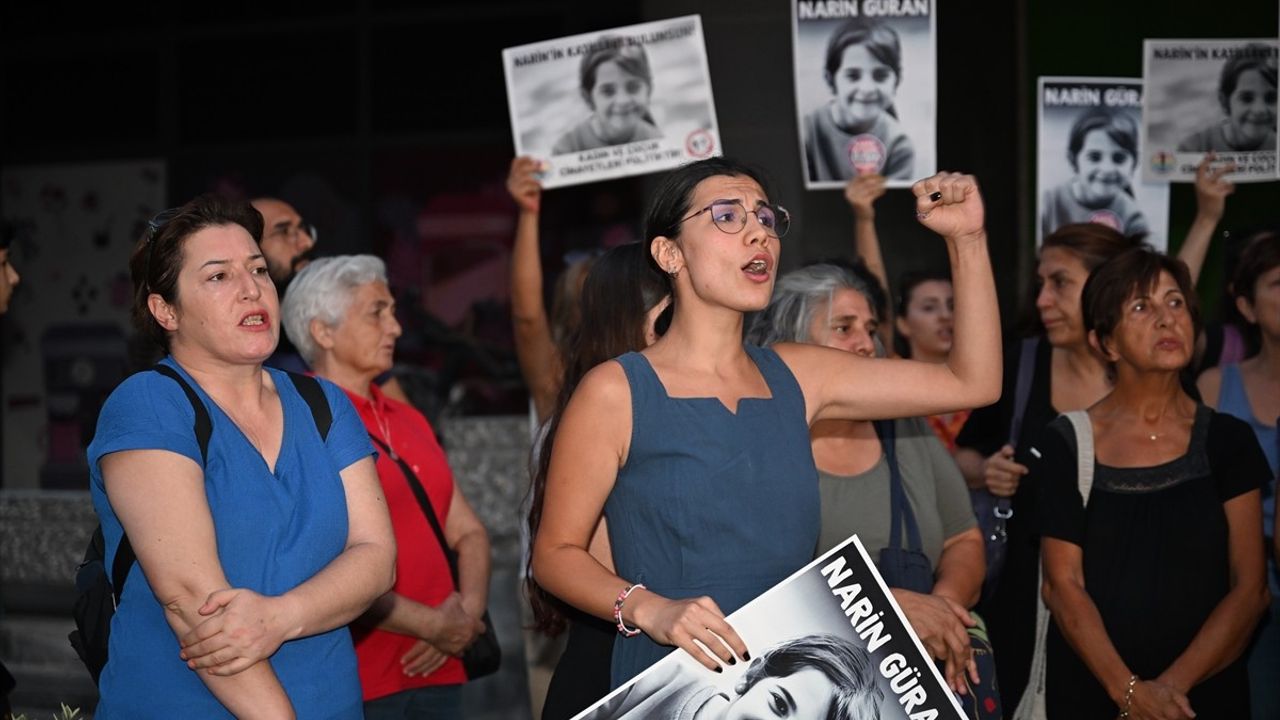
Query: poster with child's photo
[
  {"x": 1087, "y": 159},
  {"x": 866, "y": 89},
  {"x": 830, "y": 641},
  {"x": 1206, "y": 96},
  {"x": 610, "y": 104}
]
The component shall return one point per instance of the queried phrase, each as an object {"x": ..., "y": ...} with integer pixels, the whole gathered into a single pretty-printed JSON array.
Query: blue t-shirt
[{"x": 274, "y": 531}]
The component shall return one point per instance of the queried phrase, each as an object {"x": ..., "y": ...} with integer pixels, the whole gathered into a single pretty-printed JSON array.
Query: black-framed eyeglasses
[
  {"x": 154, "y": 226},
  {"x": 731, "y": 217}
]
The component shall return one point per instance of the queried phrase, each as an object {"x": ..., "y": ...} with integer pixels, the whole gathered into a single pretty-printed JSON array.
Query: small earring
[{"x": 674, "y": 273}]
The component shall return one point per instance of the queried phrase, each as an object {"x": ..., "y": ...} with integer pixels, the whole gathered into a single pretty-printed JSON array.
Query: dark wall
[{"x": 340, "y": 106}]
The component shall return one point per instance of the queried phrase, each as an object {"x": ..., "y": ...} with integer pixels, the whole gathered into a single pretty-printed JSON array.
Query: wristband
[{"x": 623, "y": 630}]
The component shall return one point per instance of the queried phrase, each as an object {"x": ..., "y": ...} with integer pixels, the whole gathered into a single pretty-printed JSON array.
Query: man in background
[{"x": 287, "y": 242}]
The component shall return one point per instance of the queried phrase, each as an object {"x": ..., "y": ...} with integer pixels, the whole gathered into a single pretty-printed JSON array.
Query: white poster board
[
  {"x": 835, "y": 616},
  {"x": 1088, "y": 152},
  {"x": 866, "y": 89},
  {"x": 1209, "y": 96},
  {"x": 620, "y": 102}
]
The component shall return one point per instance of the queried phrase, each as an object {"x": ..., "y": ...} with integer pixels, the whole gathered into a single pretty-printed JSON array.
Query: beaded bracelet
[
  {"x": 623, "y": 630},
  {"x": 1128, "y": 697}
]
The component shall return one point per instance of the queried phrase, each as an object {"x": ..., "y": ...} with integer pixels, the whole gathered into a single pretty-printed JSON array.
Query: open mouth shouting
[
  {"x": 255, "y": 320},
  {"x": 758, "y": 267}
]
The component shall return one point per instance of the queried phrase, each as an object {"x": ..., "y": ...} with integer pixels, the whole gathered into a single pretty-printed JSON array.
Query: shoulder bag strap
[
  {"x": 1003, "y": 508},
  {"x": 1022, "y": 387},
  {"x": 1034, "y": 693},
  {"x": 203, "y": 428},
  {"x": 1084, "y": 452},
  {"x": 420, "y": 493},
  {"x": 899, "y": 504}
]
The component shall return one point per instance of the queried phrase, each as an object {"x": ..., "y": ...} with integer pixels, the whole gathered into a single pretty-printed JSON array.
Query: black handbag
[
  {"x": 484, "y": 656},
  {"x": 901, "y": 567},
  {"x": 909, "y": 568}
]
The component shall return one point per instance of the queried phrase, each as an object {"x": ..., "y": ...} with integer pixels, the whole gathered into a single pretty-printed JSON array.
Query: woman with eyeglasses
[
  {"x": 624, "y": 307},
  {"x": 255, "y": 548},
  {"x": 696, "y": 449}
]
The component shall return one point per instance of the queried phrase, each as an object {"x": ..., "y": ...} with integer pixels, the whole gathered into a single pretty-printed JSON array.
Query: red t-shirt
[{"x": 422, "y": 572}]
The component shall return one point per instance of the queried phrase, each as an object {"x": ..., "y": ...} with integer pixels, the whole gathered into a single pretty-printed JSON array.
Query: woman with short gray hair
[
  {"x": 340, "y": 315},
  {"x": 839, "y": 305},
  {"x": 800, "y": 293},
  {"x": 325, "y": 296}
]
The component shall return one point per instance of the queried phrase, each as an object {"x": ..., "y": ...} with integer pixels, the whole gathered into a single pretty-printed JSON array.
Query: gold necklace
[{"x": 384, "y": 428}]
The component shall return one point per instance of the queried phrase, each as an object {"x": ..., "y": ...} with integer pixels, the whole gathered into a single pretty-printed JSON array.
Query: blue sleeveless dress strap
[{"x": 711, "y": 502}]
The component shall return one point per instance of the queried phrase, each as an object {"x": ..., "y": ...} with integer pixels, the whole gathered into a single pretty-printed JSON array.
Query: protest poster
[
  {"x": 626, "y": 101},
  {"x": 837, "y": 631},
  {"x": 1087, "y": 159},
  {"x": 1205, "y": 96},
  {"x": 866, "y": 89}
]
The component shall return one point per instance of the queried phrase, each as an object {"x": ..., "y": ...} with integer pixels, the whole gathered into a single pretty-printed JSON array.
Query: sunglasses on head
[{"x": 154, "y": 226}]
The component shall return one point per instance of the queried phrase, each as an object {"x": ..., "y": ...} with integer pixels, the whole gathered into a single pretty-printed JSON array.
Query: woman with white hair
[{"x": 340, "y": 315}]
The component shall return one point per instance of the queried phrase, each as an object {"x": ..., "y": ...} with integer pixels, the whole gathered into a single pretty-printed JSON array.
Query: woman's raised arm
[
  {"x": 539, "y": 361},
  {"x": 862, "y": 193},
  {"x": 840, "y": 385},
  {"x": 1211, "y": 203}
]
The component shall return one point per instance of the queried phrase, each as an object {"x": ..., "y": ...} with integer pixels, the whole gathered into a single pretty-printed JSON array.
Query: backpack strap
[
  {"x": 309, "y": 388},
  {"x": 203, "y": 423},
  {"x": 203, "y": 427}
]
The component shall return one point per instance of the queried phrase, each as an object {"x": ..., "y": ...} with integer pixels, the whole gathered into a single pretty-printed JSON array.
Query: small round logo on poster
[
  {"x": 1163, "y": 161},
  {"x": 1106, "y": 217},
  {"x": 866, "y": 154},
  {"x": 699, "y": 143}
]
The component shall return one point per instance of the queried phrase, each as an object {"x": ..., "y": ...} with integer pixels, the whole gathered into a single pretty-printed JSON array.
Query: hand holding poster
[
  {"x": 866, "y": 86},
  {"x": 1209, "y": 96},
  {"x": 1087, "y": 159},
  {"x": 626, "y": 101},
  {"x": 830, "y": 641}
]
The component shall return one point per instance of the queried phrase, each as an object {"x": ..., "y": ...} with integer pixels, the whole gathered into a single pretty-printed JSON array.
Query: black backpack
[{"x": 96, "y": 596}]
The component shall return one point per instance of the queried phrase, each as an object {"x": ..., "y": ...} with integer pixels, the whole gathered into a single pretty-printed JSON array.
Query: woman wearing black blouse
[{"x": 1156, "y": 584}]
